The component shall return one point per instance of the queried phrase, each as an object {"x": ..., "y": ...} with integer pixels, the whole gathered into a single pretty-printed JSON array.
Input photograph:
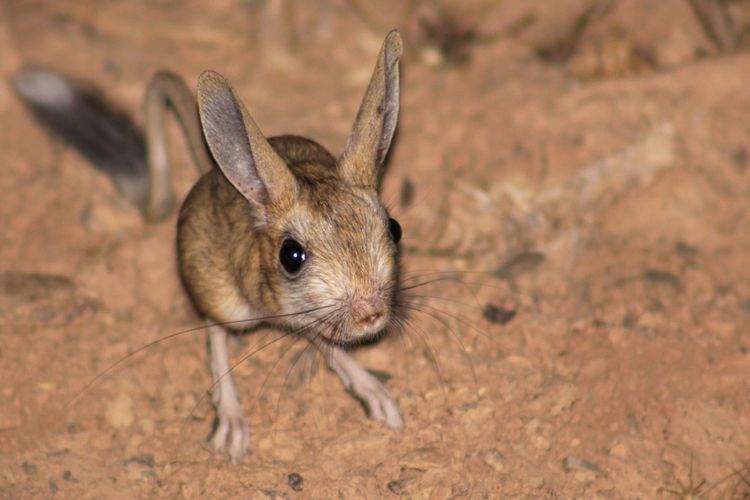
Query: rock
[
  {"x": 620, "y": 450},
  {"x": 396, "y": 486},
  {"x": 536, "y": 436},
  {"x": 29, "y": 468},
  {"x": 498, "y": 314},
  {"x": 494, "y": 460},
  {"x": 295, "y": 481},
  {"x": 141, "y": 467},
  {"x": 573, "y": 462},
  {"x": 120, "y": 413},
  {"x": 566, "y": 397},
  {"x": 740, "y": 158}
]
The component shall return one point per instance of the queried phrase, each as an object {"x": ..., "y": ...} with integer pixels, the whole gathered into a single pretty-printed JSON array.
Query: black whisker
[
  {"x": 309, "y": 345},
  {"x": 452, "y": 316},
  {"x": 466, "y": 353},
  {"x": 297, "y": 359},
  {"x": 244, "y": 358},
  {"x": 401, "y": 323},
  {"x": 297, "y": 333},
  {"x": 231, "y": 369},
  {"x": 422, "y": 335},
  {"x": 448, "y": 278},
  {"x": 435, "y": 297},
  {"x": 423, "y": 274},
  {"x": 104, "y": 372}
]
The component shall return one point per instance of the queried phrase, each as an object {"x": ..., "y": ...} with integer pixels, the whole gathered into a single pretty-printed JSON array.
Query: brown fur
[
  {"x": 220, "y": 247},
  {"x": 227, "y": 260},
  {"x": 236, "y": 218}
]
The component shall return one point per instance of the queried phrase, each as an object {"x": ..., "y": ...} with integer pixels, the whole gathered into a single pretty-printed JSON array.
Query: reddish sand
[{"x": 597, "y": 206}]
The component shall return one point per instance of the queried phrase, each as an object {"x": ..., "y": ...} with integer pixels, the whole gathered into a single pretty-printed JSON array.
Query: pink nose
[{"x": 367, "y": 311}]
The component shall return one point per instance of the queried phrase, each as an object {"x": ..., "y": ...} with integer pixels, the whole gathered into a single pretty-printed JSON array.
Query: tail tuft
[{"x": 101, "y": 132}]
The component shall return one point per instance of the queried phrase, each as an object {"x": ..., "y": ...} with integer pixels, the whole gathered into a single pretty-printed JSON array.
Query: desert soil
[{"x": 582, "y": 196}]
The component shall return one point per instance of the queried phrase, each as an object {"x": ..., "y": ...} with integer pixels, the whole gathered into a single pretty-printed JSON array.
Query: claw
[
  {"x": 380, "y": 403},
  {"x": 231, "y": 435}
]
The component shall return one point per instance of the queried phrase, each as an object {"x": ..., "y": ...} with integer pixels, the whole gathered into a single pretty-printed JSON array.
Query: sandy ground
[{"x": 588, "y": 197}]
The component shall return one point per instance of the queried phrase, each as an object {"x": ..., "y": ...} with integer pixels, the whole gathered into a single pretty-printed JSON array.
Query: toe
[
  {"x": 393, "y": 419},
  {"x": 239, "y": 441},
  {"x": 219, "y": 437}
]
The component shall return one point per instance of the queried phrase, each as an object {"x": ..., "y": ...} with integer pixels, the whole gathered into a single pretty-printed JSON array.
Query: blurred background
[{"x": 575, "y": 174}]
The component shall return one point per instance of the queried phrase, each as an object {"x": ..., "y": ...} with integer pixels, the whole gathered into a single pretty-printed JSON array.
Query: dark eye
[
  {"x": 395, "y": 228},
  {"x": 292, "y": 256}
]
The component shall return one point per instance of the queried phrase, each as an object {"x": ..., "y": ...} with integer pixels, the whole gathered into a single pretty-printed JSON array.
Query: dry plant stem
[
  {"x": 564, "y": 47},
  {"x": 715, "y": 23},
  {"x": 607, "y": 180},
  {"x": 289, "y": 12},
  {"x": 692, "y": 491},
  {"x": 556, "y": 222},
  {"x": 452, "y": 29}
]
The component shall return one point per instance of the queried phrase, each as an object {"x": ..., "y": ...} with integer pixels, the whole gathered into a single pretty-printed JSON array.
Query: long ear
[
  {"x": 376, "y": 119},
  {"x": 242, "y": 152}
]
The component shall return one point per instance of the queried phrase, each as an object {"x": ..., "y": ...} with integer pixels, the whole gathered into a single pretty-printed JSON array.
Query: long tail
[{"x": 108, "y": 137}]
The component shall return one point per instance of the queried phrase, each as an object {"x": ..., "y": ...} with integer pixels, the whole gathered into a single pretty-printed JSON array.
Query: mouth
[
  {"x": 355, "y": 320},
  {"x": 342, "y": 339},
  {"x": 346, "y": 334}
]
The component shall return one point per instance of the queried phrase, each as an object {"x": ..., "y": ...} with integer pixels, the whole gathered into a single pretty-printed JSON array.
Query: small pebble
[
  {"x": 659, "y": 276},
  {"x": 572, "y": 462},
  {"x": 498, "y": 314},
  {"x": 141, "y": 467},
  {"x": 740, "y": 158},
  {"x": 520, "y": 264},
  {"x": 146, "y": 459},
  {"x": 495, "y": 460},
  {"x": 535, "y": 481},
  {"x": 295, "y": 481},
  {"x": 58, "y": 453},
  {"x": 119, "y": 414},
  {"x": 584, "y": 476},
  {"x": 620, "y": 450},
  {"x": 396, "y": 486},
  {"x": 685, "y": 250},
  {"x": 52, "y": 485},
  {"x": 28, "y": 468},
  {"x": 275, "y": 495}
]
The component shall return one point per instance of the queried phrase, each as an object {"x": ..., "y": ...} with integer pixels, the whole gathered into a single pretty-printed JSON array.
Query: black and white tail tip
[{"x": 82, "y": 118}]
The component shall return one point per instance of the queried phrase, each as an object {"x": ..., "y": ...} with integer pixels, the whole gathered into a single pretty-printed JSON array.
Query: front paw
[
  {"x": 378, "y": 400},
  {"x": 231, "y": 433}
]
